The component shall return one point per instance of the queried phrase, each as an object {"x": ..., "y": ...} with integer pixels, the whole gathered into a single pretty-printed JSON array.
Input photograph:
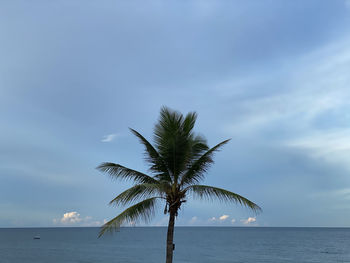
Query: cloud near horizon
[
  {"x": 223, "y": 217},
  {"x": 74, "y": 219},
  {"x": 249, "y": 220},
  {"x": 220, "y": 219}
]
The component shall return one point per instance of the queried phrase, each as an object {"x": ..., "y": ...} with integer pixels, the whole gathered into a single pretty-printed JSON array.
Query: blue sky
[{"x": 271, "y": 75}]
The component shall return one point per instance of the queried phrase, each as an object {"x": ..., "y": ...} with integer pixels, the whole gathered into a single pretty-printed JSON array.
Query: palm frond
[
  {"x": 167, "y": 137},
  {"x": 137, "y": 192},
  {"x": 198, "y": 147},
  {"x": 141, "y": 211},
  {"x": 189, "y": 122},
  {"x": 175, "y": 141},
  {"x": 211, "y": 193},
  {"x": 152, "y": 156},
  {"x": 195, "y": 172},
  {"x": 122, "y": 172}
]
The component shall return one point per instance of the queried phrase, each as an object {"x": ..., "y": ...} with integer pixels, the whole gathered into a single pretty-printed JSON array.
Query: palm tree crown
[{"x": 178, "y": 161}]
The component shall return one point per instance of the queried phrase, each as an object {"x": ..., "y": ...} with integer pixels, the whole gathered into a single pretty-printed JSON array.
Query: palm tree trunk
[{"x": 170, "y": 237}]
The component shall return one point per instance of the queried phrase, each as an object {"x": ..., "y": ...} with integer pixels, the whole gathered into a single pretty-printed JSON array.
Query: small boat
[{"x": 36, "y": 237}]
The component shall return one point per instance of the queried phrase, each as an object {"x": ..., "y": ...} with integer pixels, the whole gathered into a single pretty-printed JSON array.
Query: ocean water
[{"x": 193, "y": 244}]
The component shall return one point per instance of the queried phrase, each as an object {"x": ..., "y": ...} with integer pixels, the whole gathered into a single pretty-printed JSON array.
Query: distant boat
[{"x": 36, "y": 237}]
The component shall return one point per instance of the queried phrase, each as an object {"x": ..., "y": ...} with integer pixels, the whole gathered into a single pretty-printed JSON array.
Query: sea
[{"x": 192, "y": 244}]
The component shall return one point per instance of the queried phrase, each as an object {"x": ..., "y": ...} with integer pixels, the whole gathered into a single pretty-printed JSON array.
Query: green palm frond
[
  {"x": 189, "y": 122},
  {"x": 138, "y": 192},
  {"x": 175, "y": 141},
  {"x": 152, "y": 156},
  {"x": 141, "y": 211},
  {"x": 169, "y": 140},
  {"x": 119, "y": 171},
  {"x": 195, "y": 172},
  {"x": 198, "y": 148},
  {"x": 210, "y": 193}
]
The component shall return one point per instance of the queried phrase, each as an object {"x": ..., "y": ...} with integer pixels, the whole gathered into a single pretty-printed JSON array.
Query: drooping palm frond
[
  {"x": 122, "y": 172},
  {"x": 138, "y": 192},
  {"x": 195, "y": 172},
  {"x": 211, "y": 193},
  {"x": 143, "y": 210},
  {"x": 198, "y": 148},
  {"x": 152, "y": 156}
]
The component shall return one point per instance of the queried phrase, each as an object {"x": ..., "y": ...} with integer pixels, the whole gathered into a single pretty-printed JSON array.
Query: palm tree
[{"x": 178, "y": 161}]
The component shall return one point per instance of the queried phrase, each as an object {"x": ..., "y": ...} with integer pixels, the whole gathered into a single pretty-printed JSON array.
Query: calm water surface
[{"x": 193, "y": 244}]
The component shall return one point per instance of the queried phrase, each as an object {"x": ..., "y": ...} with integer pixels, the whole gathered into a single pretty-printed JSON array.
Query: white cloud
[
  {"x": 233, "y": 221},
  {"x": 70, "y": 218},
  {"x": 218, "y": 220},
  {"x": 109, "y": 137},
  {"x": 223, "y": 217},
  {"x": 249, "y": 220},
  {"x": 74, "y": 219}
]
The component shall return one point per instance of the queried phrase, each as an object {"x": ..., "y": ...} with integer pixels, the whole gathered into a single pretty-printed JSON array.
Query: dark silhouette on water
[{"x": 178, "y": 161}]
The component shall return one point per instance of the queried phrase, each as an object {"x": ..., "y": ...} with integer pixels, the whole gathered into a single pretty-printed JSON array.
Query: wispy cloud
[
  {"x": 311, "y": 112},
  {"x": 318, "y": 84},
  {"x": 332, "y": 145},
  {"x": 109, "y": 137}
]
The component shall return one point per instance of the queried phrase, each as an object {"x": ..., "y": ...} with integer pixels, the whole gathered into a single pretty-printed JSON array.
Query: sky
[{"x": 271, "y": 75}]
